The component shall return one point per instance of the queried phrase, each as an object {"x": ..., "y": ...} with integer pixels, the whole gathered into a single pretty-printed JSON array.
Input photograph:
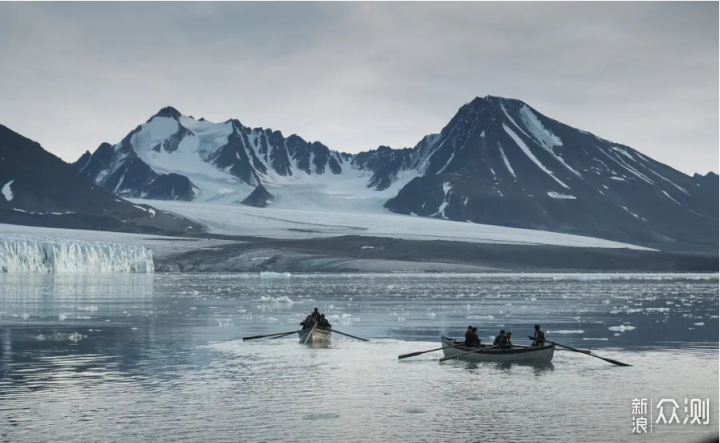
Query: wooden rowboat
[
  {"x": 314, "y": 336},
  {"x": 539, "y": 354}
]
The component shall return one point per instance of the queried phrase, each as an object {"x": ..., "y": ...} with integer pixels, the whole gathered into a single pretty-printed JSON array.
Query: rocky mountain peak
[{"x": 168, "y": 112}]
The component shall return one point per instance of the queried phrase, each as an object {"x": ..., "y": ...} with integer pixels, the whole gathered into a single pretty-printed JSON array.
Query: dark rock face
[
  {"x": 711, "y": 179},
  {"x": 385, "y": 163},
  {"x": 170, "y": 187},
  {"x": 42, "y": 190},
  {"x": 167, "y": 112},
  {"x": 259, "y": 198}
]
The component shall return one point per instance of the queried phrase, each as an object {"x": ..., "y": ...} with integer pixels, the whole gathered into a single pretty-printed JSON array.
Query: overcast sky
[{"x": 358, "y": 75}]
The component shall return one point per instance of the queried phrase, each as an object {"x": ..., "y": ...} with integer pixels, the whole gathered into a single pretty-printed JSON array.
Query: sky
[{"x": 358, "y": 75}]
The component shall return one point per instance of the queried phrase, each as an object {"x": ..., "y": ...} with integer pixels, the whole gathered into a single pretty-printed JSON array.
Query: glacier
[{"x": 35, "y": 254}]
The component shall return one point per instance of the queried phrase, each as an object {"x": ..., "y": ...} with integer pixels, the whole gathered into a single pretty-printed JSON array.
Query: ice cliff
[{"x": 32, "y": 254}]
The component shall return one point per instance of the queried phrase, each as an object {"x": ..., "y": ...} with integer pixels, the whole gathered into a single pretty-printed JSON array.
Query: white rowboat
[
  {"x": 539, "y": 354},
  {"x": 314, "y": 336}
]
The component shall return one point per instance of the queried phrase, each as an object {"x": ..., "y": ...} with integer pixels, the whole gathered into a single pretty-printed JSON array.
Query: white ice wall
[{"x": 33, "y": 254}]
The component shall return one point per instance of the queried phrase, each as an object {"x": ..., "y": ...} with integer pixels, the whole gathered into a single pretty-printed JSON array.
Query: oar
[
  {"x": 584, "y": 351},
  {"x": 307, "y": 337},
  {"x": 351, "y": 336},
  {"x": 415, "y": 354},
  {"x": 609, "y": 360},
  {"x": 465, "y": 353},
  {"x": 268, "y": 335},
  {"x": 284, "y": 335}
]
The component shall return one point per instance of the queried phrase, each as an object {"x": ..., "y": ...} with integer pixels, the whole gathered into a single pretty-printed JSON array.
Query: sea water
[{"x": 125, "y": 358}]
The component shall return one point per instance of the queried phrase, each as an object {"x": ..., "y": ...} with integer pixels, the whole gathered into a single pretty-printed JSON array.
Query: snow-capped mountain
[
  {"x": 156, "y": 159},
  {"x": 39, "y": 189},
  {"x": 498, "y": 161}
]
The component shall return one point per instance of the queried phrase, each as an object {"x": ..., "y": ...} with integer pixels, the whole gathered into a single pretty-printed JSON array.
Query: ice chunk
[
  {"x": 284, "y": 299},
  {"x": 270, "y": 274},
  {"x": 32, "y": 254},
  {"x": 621, "y": 328}
]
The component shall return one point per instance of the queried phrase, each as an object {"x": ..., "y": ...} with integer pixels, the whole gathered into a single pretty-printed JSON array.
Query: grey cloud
[{"x": 357, "y": 75}]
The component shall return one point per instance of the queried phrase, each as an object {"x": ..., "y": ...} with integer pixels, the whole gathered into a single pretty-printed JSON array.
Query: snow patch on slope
[
  {"x": 536, "y": 128},
  {"x": 30, "y": 254},
  {"x": 507, "y": 162},
  {"x": 542, "y": 136},
  {"x": 561, "y": 196},
  {"x": 7, "y": 192},
  {"x": 447, "y": 187},
  {"x": 532, "y": 157}
]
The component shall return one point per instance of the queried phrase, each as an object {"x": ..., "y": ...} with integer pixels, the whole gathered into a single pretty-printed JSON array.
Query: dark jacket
[
  {"x": 539, "y": 338},
  {"x": 498, "y": 339},
  {"x": 468, "y": 337},
  {"x": 505, "y": 342}
]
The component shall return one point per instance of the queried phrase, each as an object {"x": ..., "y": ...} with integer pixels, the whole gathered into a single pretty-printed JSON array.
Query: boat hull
[
  {"x": 540, "y": 354},
  {"x": 314, "y": 336}
]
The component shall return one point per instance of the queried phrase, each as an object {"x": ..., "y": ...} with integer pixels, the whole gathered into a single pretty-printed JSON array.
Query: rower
[
  {"x": 499, "y": 338},
  {"x": 315, "y": 314},
  {"x": 308, "y": 322},
  {"x": 539, "y": 336},
  {"x": 468, "y": 336},
  {"x": 323, "y": 323},
  {"x": 506, "y": 341},
  {"x": 475, "y": 337}
]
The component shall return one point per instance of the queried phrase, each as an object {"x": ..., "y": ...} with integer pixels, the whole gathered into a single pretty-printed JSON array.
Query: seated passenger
[
  {"x": 468, "y": 336},
  {"x": 506, "y": 341},
  {"x": 323, "y": 323},
  {"x": 499, "y": 337},
  {"x": 475, "y": 338},
  {"x": 308, "y": 322}
]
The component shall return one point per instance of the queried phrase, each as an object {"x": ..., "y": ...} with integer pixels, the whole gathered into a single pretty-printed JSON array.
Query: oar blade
[
  {"x": 414, "y": 354},
  {"x": 615, "y": 362}
]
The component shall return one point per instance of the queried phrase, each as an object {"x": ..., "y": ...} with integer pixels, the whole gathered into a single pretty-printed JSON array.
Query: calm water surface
[{"x": 160, "y": 358}]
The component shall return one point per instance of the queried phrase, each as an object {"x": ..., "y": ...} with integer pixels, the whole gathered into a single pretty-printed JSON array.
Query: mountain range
[{"x": 498, "y": 161}]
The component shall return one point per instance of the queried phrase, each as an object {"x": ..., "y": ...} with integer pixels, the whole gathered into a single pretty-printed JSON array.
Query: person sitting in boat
[
  {"x": 324, "y": 323},
  {"x": 472, "y": 340},
  {"x": 308, "y": 323},
  {"x": 539, "y": 336},
  {"x": 499, "y": 338},
  {"x": 315, "y": 314},
  {"x": 476, "y": 337},
  {"x": 468, "y": 336},
  {"x": 506, "y": 341}
]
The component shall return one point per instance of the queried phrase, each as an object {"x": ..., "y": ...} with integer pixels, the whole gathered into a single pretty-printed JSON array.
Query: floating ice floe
[
  {"x": 479, "y": 317},
  {"x": 270, "y": 274},
  {"x": 621, "y": 328},
  {"x": 284, "y": 299},
  {"x": 567, "y": 331},
  {"x": 87, "y": 308}
]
